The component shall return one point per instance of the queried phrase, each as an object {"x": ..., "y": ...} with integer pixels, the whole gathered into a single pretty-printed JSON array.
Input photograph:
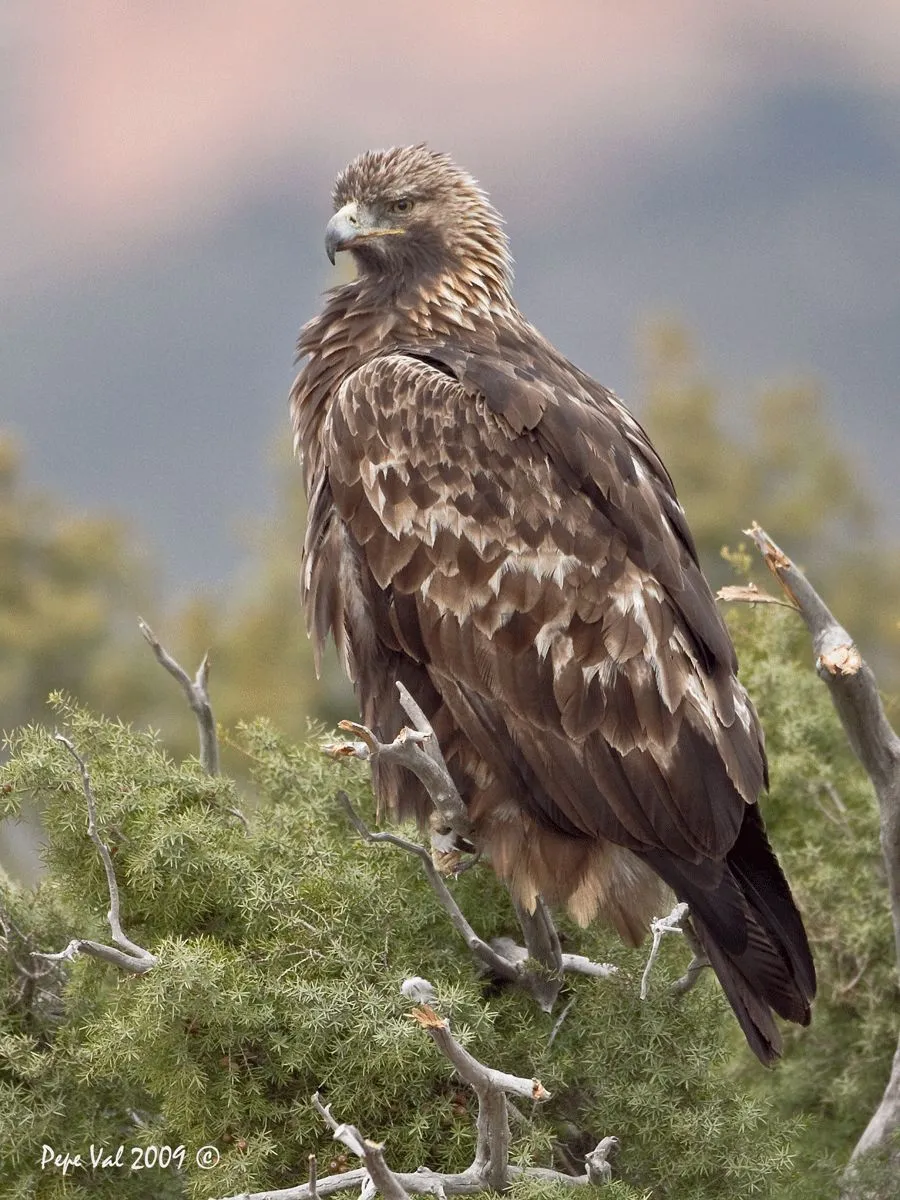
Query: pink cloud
[{"x": 137, "y": 113}]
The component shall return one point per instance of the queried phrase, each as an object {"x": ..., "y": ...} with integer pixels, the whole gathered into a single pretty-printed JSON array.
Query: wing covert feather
[{"x": 532, "y": 565}]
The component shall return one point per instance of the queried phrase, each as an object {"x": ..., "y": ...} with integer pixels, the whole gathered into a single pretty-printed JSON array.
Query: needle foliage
[{"x": 281, "y": 952}]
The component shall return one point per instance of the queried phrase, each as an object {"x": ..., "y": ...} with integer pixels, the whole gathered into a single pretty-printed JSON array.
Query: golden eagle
[{"x": 493, "y": 528}]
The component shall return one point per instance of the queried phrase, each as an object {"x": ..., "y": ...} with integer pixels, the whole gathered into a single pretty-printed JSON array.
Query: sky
[{"x": 167, "y": 171}]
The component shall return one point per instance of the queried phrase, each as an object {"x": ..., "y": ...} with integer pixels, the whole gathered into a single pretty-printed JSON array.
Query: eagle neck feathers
[{"x": 368, "y": 318}]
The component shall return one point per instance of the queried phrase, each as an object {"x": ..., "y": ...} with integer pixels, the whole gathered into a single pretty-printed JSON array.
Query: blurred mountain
[{"x": 153, "y": 382}]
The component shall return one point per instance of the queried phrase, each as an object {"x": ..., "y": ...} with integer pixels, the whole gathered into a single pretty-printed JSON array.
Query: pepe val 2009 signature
[{"x": 104, "y": 1158}]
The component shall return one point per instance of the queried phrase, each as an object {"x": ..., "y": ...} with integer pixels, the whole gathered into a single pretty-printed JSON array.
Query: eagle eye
[{"x": 403, "y": 205}]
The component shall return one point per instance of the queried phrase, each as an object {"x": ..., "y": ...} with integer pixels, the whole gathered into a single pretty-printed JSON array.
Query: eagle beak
[
  {"x": 351, "y": 225},
  {"x": 342, "y": 230}
]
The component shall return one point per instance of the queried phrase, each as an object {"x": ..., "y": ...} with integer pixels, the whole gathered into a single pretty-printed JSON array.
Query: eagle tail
[{"x": 752, "y": 933}]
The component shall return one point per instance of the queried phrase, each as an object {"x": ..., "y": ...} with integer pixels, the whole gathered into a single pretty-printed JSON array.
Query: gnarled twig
[
  {"x": 659, "y": 928},
  {"x": 197, "y": 694},
  {"x": 372, "y": 1154},
  {"x": 125, "y": 954},
  {"x": 490, "y": 1169},
  {"x": 854, "y": 693},
  {"x": 502, "y": 957}
]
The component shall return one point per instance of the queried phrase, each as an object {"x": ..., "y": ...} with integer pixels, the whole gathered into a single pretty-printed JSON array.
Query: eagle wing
[
  {"x": 533, "y": 558},
  {"x": 499, "y": 533}
]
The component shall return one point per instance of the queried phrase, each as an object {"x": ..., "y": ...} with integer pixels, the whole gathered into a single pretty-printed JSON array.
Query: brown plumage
[{"x": 493, "y": 528}]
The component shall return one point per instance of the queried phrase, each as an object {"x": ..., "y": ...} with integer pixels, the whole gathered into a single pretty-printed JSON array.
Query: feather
[{"x": 492, "y": 527}]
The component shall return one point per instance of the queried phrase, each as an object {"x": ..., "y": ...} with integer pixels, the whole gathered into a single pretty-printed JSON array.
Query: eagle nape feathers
[{"x": 490, "y": 526}]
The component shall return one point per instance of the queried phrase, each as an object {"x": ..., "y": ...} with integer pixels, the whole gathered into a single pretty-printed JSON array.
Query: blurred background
[{"x": 704, "y": 205}]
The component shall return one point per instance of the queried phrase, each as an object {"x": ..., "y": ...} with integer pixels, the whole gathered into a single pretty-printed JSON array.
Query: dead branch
[
  {"x": 496, "y": 963},
  {"x": 197, "y": 697},
  {"x": 197, "y": 692},
  {"x": 502, "y": 957},
  {"x": 854, "y": 693},
  {"x": 372, "y": 1154},
  {"x": 418, "y": 751},
  {"x": 659, "y": 928},
  {"x": 577, "y": 964},
  {"x": 751, "y": 594},
  {"x": 422, "y": 1182},
  {"x": 490, "y": 1169},
  {"x": 490, "y": 1086},
  {"x": 449, "y": 805},
  {"x": 126, "y": 954}
]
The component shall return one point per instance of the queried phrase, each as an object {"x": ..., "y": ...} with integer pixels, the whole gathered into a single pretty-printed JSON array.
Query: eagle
[{"x": 492, "y": 528}]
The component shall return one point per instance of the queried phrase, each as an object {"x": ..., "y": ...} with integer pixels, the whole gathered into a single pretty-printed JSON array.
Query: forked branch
[
  {"x": 197, "y": 693},
  {"x": 502, "y": 958},
  {"x": 490, "y": 1169},
  {"x": 372, "y": 1154},
  {"x": 659, "y": 928},
  {"x": 126, "y": 954},
  {"x": 854, "y": 693},
  {"x": 418, "y": 751}
]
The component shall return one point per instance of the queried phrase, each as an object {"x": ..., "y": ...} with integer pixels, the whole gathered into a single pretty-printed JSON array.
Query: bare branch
[
  {"x": 659, "y": 928},
  {"x": 129, "y": 956},
  {"x": 577, "y": 964},
  {"x": 197, "y": 694},
  {"x": 490, "y": 1170},
  {"x": 490, "y": 1086},
  {"x": 496, "y": 963},
  {"x": 473, "y": 1072},
  {"x": 408, "y": 749},
  {"x": 598, "y": 1166},
  {"x": 750, "y": 594},
  {"x": 421, "y": 1183},
  {"x": 118, "y": 958},
  {"x": 372, "y": 1154},
  {"x": 448, "y": 803},
  {"x": 114, "y": 921},
  {"x": 313, "y": 1177},
  {"x": 854, "y": 693}
]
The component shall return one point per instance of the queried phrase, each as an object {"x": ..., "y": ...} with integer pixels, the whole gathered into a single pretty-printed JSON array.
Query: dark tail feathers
[{"x": 748, "y": 924}]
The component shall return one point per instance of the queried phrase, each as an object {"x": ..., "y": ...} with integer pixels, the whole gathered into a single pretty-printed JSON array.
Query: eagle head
[{"x": 410, "y": 216}]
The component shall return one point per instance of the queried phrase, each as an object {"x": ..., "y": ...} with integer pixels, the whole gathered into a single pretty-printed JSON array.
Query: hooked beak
[
  {"x": 342, "y": 230},
  {"x": 348, "y": 227}
]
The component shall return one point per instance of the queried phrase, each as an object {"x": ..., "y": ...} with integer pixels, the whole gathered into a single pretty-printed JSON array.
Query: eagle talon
[{"x": 447, "y": 862}]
